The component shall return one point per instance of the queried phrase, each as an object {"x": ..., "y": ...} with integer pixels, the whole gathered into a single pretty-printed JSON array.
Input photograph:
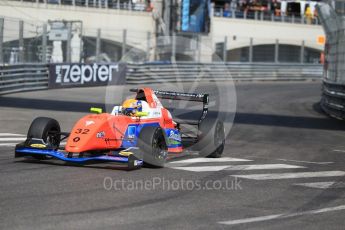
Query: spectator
[
  {"x": 308, "y": 15},
  {"x": 226, "y": 12}
]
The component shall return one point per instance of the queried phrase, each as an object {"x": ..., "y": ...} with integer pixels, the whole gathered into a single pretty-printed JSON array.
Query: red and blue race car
[{"x": 140, "y": 131}]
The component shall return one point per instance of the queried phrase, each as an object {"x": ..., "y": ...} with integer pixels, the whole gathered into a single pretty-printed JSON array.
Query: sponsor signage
[{"x": 77, "y": 75}]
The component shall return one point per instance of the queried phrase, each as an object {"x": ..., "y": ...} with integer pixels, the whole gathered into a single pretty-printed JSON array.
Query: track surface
[{"x": 278, "y": 129}]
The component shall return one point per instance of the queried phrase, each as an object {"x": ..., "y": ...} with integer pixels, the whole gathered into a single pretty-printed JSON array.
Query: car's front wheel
[
  {"x": 46, "y": 129},
  {"x": 152, "y": 143}
]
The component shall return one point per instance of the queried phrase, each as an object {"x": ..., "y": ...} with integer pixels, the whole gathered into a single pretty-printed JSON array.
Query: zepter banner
[{"x": 78, "y": 75}]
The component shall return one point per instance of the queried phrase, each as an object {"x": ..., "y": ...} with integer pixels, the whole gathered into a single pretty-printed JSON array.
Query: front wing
[{"x": 132, "y": 159}]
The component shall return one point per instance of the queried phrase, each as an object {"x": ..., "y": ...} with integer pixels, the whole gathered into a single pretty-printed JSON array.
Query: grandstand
[{"x": 236, "y": 31}]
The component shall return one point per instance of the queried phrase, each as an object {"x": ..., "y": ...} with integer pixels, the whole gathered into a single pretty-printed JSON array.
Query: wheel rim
[
  {"x": 53, "y": 140},
  {"x": 219, "y": 135},
  {"x": 159, "y": 147}
]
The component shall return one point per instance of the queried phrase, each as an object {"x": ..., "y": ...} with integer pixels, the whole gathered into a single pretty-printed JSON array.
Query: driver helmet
[{"x": 131, "y": 106}]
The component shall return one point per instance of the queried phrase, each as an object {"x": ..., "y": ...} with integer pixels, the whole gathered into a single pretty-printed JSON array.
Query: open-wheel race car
[{"x": 140, "y": 131}]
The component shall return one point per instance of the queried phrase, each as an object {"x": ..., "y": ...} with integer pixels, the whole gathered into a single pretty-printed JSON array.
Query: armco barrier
[
  {"x": 23, "y": 77},
  {"x": 190, "y": 72},
  {"x": 333, "y": 99}
]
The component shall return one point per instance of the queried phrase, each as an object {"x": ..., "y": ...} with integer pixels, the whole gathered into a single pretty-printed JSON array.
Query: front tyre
[
  {"x": 152, "y": 143},
  {"x": 48, "y": 130}
]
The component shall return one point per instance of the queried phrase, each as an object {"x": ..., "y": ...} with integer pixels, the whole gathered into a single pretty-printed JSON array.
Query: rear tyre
[
  {"x": 152, "y": 143},
  {"x": 211, "y": 138},
  {"x": 46, "y": 129}
]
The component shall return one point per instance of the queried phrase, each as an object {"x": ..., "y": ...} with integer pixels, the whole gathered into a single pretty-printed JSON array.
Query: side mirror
[{"x": 96, "y": 110}]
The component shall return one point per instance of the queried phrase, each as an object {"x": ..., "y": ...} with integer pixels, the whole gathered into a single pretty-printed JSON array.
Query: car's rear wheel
[
  {"x": 152, "y": 143},
  {"x": 211, "y": 138},
  {"x": 46, "y": 129}
]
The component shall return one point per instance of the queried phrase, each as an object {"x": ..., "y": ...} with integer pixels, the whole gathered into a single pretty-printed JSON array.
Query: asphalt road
[{"x": 283, "y": 168}]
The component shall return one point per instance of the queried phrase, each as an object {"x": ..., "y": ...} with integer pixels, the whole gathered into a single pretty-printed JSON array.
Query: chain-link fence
[{"x": 70, "y": 41}]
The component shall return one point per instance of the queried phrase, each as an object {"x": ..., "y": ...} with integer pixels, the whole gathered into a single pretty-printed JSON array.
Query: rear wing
[{"x": 198, "y": 97}]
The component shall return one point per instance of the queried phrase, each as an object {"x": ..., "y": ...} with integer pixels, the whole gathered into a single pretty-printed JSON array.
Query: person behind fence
[{"x": 308, "y": 15}]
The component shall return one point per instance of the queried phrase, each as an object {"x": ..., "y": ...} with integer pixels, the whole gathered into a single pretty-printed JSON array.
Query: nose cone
[{"x": 97, "y": 132}]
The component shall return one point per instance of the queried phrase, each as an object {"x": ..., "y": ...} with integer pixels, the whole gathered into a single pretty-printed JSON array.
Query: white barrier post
[
  {"x": 124, "y": 38},
  {"x": 1, "y": 39},
  {"x": 302, "y": 52},
  {"x": 44, "y": 44},
  {"x": 98, "y": 46},
  {"x": 21, "y": 41},
  {"x": 251, "y": 50},
  {"x": 276, "y": 51},
  {"x": 69, "y": 38},
  {"x": 225, "y": 48}
]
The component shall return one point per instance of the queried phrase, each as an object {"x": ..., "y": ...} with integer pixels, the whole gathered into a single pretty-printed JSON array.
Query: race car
[{"x": 139, "y": 132}]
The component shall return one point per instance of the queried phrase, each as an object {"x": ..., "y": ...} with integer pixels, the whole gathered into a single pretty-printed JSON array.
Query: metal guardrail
[
  {"x": 27, "y": 77},
  {"x": 23, "y": 77},
  {"x": 333, "y": 99},
  {"x": 190, "y": 72}
]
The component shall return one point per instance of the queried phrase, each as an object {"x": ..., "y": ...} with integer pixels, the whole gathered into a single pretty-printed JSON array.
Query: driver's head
[{"x": 131, "y": 107}]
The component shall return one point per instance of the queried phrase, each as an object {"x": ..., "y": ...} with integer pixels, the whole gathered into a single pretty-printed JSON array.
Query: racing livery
[{"x": 139, "y": 131}]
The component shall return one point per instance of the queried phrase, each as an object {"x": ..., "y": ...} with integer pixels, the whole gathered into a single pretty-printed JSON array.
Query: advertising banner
[{"x": 65, "y": 75}]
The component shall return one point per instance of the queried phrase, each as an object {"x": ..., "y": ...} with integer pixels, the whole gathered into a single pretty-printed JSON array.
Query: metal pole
[
  {"x": 98, "y": 46},
  {"x": 44, "y": 44},
  {"x": 199, "y": 46},
  {"x": 87, "y": 3},
  {"x": 21, "y": 41},
  {"x": 69, "y": 38},
  {"x": 124, "y": 38},
  {"x": 2, "y": 20},
  {"x": 148, "y": 48},
  {"x": 173, "y": 48},
  {"x": 251, "y": 50},
  {"x": 73, "y": 2},
  {"x": 225, "y": 48},
  {"x": 81, "y": 55},
  {"x": 302, "y": 52},
  {"x": 276, "y": 51}
]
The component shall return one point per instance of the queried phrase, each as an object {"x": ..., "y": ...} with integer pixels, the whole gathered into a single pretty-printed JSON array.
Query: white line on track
[
  {"x": 209, "y": 160},
  {"x": 276, "y": 176},
  {"x": 237, "y": 167},
  {"x": 323, "y": 185},
  {"x": 339, "y": 150},
  {"x": 8, "y": 144},
  {"x": 13, "y": 139},
  {"x": 281, "y": 216},
  {"x": 308, "y": 162},
  {"x": 281, "y": 159},
  {"x": 10, "y": 134}
]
